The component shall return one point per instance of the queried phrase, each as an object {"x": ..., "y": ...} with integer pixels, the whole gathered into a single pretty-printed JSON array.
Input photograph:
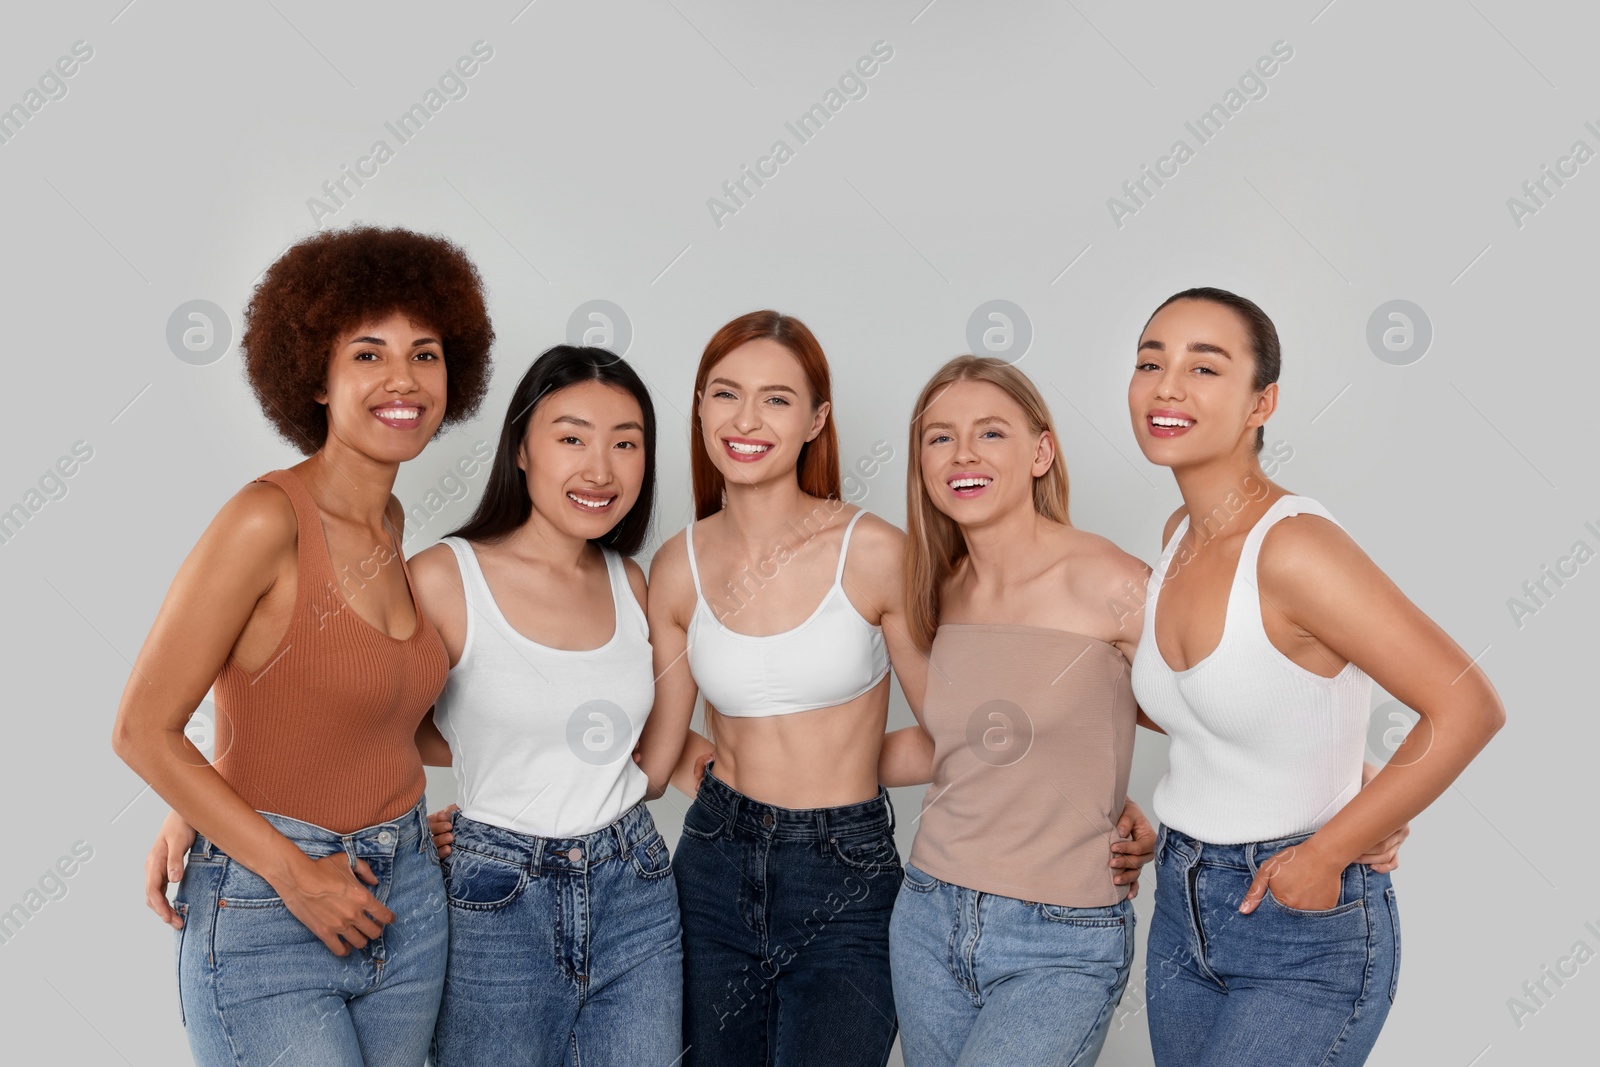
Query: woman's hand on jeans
[
  {"x": 439, "y": 827},
  {"x": 325, "y": 895},
  {"x": 163, "y": 866},
  {"x": 1299, "y": 876}
]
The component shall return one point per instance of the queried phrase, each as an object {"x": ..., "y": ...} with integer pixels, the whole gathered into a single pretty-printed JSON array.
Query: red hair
[{"x": 818, "y": 468}]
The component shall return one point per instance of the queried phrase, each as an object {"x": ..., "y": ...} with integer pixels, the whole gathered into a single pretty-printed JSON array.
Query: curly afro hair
[{"x": 333, "y": 282}]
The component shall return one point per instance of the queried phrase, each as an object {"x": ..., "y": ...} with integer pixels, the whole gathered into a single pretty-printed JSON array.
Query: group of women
[{"x": 322, "y": 916}]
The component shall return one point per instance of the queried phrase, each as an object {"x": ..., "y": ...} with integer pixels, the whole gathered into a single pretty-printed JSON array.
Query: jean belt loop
[
  {"x": 731, "y": 818},
  {"x": 622, "y": 838},
  {"x": 423, "y": 836},
  {"x": 888, "y": 807},
  {"x": 823, "y": 831},
  {"x": 536, "y": 860}
]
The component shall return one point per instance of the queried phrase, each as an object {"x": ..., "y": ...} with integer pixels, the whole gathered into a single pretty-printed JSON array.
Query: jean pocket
[
  {"x": 918, "y": 880},
  {"x": 650, "y": 857},
  {"x": 870, "y": 853},
  {"x": 1092, "y": 935},
  {"x": 478, "y": 882},
  {"x": 1394, "y": 926},
  {"x": 1113, "y": 915},
  {"x": 1314, "y": 913},
  {"x": 702, "y": 823},
  {"x": 240, "y": 887}
]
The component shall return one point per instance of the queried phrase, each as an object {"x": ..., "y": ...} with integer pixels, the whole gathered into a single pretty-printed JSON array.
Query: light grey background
[{"x": 978, "y": 166}]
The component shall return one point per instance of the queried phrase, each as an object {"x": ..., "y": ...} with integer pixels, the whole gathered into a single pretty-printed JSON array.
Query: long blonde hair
[{"x": 934, "y": 543}]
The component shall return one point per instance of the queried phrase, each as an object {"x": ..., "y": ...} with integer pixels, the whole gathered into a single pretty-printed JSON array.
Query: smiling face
[
  {"x": 756, "y": 413},
  {"x": 979, "y": 454},
  {"x": 583, "y": 457},
  {"x": 1192, "y": 396},
  {"x": 386, "y": 388}
]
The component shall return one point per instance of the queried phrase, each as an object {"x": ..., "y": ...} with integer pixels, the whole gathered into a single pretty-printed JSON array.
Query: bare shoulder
[
  {"x": 437, "y": 578},
  {"x": 671, "y": 585},
  {"x": 636, "y": 580},
  {"x": 1101, "y": 568},
  {"x": 878, "y": 539},
  {"x": 434, "y": 563},
  {"x": 672, "y": 555},
  {"x": 258, "y": 518},
  {"x": 1307, "y": 549}
]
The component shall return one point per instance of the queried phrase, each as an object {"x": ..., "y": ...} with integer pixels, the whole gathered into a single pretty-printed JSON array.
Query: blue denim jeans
[
  {"x": 562, "y": 950},
  {"x": 986, "y": 979},
  {"x": 256, "y": 986},
  {"x": 1281, "y": 986},
  {"x": 786, "y": 931}
]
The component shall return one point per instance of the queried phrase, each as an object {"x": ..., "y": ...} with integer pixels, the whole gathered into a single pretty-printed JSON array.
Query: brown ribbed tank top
[
  {"x": 1032, "y": 743},
  {"x": 325, "y": 730}
]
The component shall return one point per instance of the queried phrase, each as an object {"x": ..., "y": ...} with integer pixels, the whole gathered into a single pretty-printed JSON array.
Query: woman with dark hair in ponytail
[{"x": 1276, "y": 936}]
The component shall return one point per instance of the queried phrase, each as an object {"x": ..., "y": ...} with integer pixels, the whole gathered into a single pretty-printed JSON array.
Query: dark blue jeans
[
  {"x": 786, "y": 931},
  {"x": 1280, "y": 987}
]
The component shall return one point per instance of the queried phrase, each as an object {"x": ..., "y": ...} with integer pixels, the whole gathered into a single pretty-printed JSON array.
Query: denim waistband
[
  {"x": 746, "y": 815},
  {"x": 555, "y": 853},
  {"x": 408, "y": 831},
  {"x": 1245, "y": 856}
]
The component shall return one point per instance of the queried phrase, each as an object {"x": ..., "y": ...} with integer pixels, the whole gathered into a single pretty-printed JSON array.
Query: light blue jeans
[
  {"x": 1280, "y": 987},
  {"x": 986, "y": 979},
  {"x": 562, "y": 950},
  {"x": 257, "y": 987}
]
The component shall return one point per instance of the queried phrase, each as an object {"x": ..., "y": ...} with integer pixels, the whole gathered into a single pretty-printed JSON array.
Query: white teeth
[
  {"x": 1168, "y": 421},
  {"x": 398, "y": 414},
  {"x": 588, "y": 503},
  {"x": 747, "y": 450},
  {"x": 969, "y": 483}
]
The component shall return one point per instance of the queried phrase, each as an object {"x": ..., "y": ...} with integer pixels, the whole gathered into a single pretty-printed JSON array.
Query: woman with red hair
[{"x": 784, "y": 606}]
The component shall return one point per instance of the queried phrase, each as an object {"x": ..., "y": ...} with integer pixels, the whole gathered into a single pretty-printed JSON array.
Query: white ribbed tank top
[
  {"x": 1261, "y": 747},
  {"x": 542, "y": 738}
]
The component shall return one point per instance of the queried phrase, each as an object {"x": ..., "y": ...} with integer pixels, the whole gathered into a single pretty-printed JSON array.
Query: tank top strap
[
  {"x": 694, "y": 571},
  {"x": 844, "y": 545},
  {"x": 623, "y": 602},
  {"x": 1244, "y": 599},
  {"x": 475, "y": 590},
  {"x": 313, "y": 565}
]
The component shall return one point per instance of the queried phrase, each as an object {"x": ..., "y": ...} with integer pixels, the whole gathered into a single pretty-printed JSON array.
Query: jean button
[
  {"x": 575, "y": 855},
  {"x": 767, "y": 820},
  {"x": 384, "y": 837}
]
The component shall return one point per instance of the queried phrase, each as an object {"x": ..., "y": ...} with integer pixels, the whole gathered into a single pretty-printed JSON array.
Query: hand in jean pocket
[
  {"x": 1300, "y": 877},
  {"x": 163, "y": 866}
]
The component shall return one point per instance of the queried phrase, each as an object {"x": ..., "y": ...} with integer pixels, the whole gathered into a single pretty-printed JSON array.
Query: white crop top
[
  {"x": 1261, "y": 747},
  {"x": 542, "y": 738},
  {"x": 829, "y": 659}
]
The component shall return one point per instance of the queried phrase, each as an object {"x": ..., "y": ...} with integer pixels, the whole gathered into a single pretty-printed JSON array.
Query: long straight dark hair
[{"x": 505, "y": 504}]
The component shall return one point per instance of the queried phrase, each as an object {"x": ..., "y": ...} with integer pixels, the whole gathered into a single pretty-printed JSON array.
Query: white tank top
[
  {"x": 831, "y": 658},
  {"x": 542, "y": 738},
  {"x": 1261, "y": 747}
]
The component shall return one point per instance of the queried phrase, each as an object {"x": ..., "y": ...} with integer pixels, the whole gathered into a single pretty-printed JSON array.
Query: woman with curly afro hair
[{"x": 310, "y": 919}]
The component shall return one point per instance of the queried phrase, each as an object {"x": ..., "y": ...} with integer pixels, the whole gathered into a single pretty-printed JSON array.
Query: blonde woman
[{"x": 1012, "y": 936}]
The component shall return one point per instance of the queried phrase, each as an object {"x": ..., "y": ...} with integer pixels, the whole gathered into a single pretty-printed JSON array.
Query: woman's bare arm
[
  {"x": 236, "y": 562},
  {"x": 670, "y": 600},
  {"x": 1320, "y": 580}
]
